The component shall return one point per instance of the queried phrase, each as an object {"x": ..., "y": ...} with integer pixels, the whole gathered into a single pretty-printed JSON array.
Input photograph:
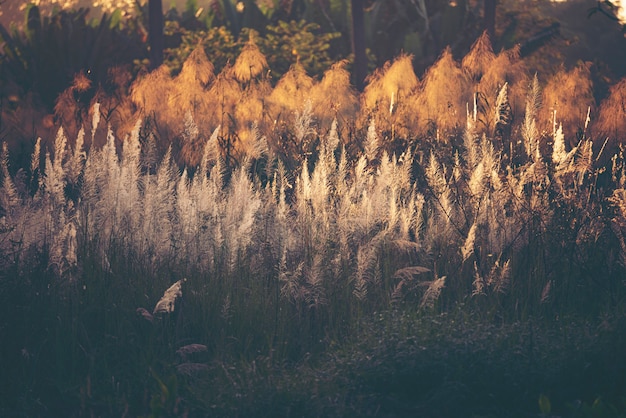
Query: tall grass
[{"x": 294, "y": 211}]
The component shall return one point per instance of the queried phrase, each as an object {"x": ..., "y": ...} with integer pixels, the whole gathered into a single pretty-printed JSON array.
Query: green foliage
[
  {"x": 283, "y": 44},
  {"x": 291, "y": 42},
  {"x": 545, "y": 406},
  {"x": 219, "y": 44}
]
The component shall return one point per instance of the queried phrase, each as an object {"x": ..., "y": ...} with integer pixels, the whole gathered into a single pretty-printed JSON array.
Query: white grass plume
[
  {"x": 468, "y": 246},
  {"x": 371, "y": 143},
  {"x": 432, "y": 293},
  {"x": 9, "y": 196},
  {"x": 167, "y": 303}
]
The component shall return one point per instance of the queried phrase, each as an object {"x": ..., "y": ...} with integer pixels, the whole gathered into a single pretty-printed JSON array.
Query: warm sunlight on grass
[{"x": 214, "y": 241}]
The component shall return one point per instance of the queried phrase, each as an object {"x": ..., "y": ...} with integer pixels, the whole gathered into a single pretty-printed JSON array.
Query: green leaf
[
  {"x": 116, "y": 19},
  {"x": 544, "y": 404}
]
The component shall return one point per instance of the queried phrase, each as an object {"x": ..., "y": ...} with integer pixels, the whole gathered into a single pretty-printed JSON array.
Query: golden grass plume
[
  {"x": 444, "y": 95},
  {"x": 569, "y": 94},
  {"x": 250, "y": 63},
  {"x": 334, "y": 96},
  {"x": 291, "y": 91},
  {"x": 611, "y": 119}
]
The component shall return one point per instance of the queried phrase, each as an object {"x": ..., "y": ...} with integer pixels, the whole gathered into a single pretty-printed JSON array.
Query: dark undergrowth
[{"x": 88, "y": 352}]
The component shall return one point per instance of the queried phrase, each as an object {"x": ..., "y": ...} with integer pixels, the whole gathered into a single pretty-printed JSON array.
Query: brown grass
[
  {"x": 480, "y": 58},
  {"x": 334, "y": 97},
  {"x": 570, "y": 94},
  {"x": 611, "y": 119},
  {"x": 250, "y": 63},
  {"x": 444, "y": 95},
  {"x": 389, "y": 97},
  {"x": 290, "y": 94}
]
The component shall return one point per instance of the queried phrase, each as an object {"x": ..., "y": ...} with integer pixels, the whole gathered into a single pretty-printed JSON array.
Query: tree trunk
[
  {"x": 490, "y": 18},
  {"x": 155, "y": 33},
  {"x": 358, "y": 43}
]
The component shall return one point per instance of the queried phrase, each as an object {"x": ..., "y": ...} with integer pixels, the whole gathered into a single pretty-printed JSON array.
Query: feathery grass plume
[
  {"x": 290, "y": 279},
  {"x": 435, "y": 175},
  {"x": 492, "y": 160},
  {"x": 186, "y": 215},
  {"x": 479, "y": 59},
  {"x": 35, "y": 158},
  {"x": 60, "y": 148},
  {"x": 293, "y": 89},
  {"x": 560, "y": 157},
  {"x": 210, "y": 156},
  {"x": 250, "y": 63},
  {"x": 530, "y": 133},
  {"x": 478, "y": 285},
  {"x": 53, "y": 181},
  {"x": 77, "y": 160},
  {"x": 186, "y": 351},
  {"x": 570, "y": 94},
  {"x": 130, "y": 173},
  {"x": 611, "y": 119},
  {"x": 224, "y": 95},
  {"x": 303, "y": 126},
  {"x": 432, "y": 293},
  {"x": 502, "y": 114},
  {"x": 188, "y": 91},
  {"x": 35, "y": 162},
  {"x": 253, "y": 146},
  {"x": 471, "y": 143},
  {"x": 390, "y": 82},
  {"x": 388, "y": 97},
  {"x": 167, "y": 303},
  {"x": 360, "y": 282},
  {"x": 407, "y": 282},
  {"x": 70, "y": 246},
  {"x": 251, "y": 110},
  {"x": 9, "y": 196},
  {"x": 468, "y": 246},
  {"x": 372, "y": 144},
  {"x": 442, "y": 98},
  {"x": 243, "y": 203},
  {"x": 334, "y": 98},
  {"x": 157, "y": 207},
  {"x": 583, "y": 163},
  {"x": 226, "y": 309},
  {"x": 144, "y": 314},
  {"x": 149, "y": 93},
  {"x": 321, "y": 194},
  {"x": 332, "y": 139},
  {"x": 499, "y": 278},
  {"x": 197, "y": 69},
  {"x": 477, "y": 183},
  {"x": 546, "y": 292},
  {"x": 409, "y": 273},
  {"x": 509, "y": 68},
  {"x": 192, "y": 143},
  {"x": 95, "y": 121},
  {"x": 558, "y": 148},
  {"x": 315, "y": 292}
]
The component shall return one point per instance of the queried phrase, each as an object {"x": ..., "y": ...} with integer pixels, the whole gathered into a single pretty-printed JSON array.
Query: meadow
[{"x": 229, "y": 245}]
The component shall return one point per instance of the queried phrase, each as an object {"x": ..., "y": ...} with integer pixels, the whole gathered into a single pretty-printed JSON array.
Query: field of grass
[{"x": 217, "y": 245}]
